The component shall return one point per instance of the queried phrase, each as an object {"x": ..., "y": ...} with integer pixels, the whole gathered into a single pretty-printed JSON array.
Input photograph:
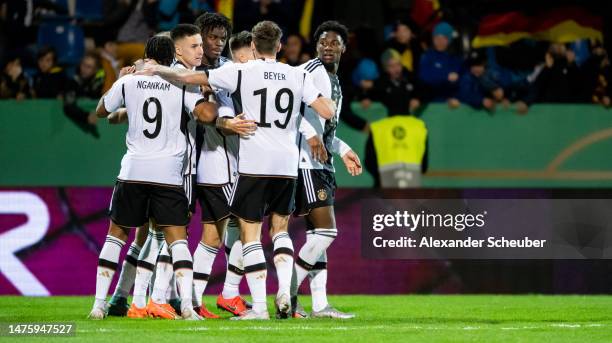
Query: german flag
[{"x": 561, "y": 25}]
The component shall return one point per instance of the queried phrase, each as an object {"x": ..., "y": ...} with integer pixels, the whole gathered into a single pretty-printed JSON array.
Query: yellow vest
[{"x": 398, "y": 140}]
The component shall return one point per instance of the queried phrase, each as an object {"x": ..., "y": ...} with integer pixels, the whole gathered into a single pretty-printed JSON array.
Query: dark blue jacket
[{"x": 434, "y": 68}]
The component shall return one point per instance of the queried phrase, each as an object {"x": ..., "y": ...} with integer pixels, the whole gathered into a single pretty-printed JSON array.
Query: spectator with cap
[
  {"x": 397, "y": 88},
  {"x": 475, "y": 89},
  {"x": 363, "y": 79},
  {"x": 438, "y": 69}
]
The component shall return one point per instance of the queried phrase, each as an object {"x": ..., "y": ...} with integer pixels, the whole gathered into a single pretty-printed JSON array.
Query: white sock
[
  {"x": 107, "y": 265},
  {"x": 234, "y": 273},
  {"x": 146, "y": 266},
  {"x": 203, "y": 259},
  {"x": 128, "y": 272},
  {"x": 183, "y": 271},
  {"x": 163, "y": 275},
  {"x": 283, "y": 261},
  {"x": 318, "y": 243},
  {"x": 318, "y": 284},
  {"x": 256, "y": 273}
]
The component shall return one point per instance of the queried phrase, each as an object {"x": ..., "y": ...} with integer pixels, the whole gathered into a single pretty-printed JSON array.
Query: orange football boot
[
  {"x": 164, "y": 311},
  {"x": 136, "y": 312},
  {"x": 235, "y": 305},
  {"x": 205, "y": 313}
]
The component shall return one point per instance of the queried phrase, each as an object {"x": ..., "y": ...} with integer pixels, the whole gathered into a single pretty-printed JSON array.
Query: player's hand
[
  {"x": 319, "y": 153},
  {"x": 149, "y": 68},
  {"x": 126, "y": 70},
  {"x": 352, "y": 163},
  {"x": 239, "y": 125}
]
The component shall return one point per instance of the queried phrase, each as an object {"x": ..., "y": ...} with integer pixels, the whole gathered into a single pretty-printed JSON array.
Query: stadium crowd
[{"x": 403, "y": 54}]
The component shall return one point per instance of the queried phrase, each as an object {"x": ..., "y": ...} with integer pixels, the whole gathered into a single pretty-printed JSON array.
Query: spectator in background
[
  {"x": 87, "y": 83},
  {"x": 403, "y": 41},
  {"x": 597, "y": 77},
  {"x": 136, "y": 21},
  {"x": 474, "y": 87},
  {"x": 363, "y": 79},
  {"x": 108, "y": 59},
  {"x": 13, "y": 83},
  {"x": 560, "y": 79},
  {"x": 50, "y": 80},
  {"x": 397, "y": 87},
  {"x": 294, "y": 50},
  {"x": 438, "y": 69}
]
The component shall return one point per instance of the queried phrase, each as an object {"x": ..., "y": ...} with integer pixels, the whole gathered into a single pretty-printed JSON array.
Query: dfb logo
[{"x": 21, "y": 237}]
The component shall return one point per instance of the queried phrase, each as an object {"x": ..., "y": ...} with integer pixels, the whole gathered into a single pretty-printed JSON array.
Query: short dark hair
[
  {"x": 210, "y": 21},
  {"x": 240, "y": 40},
  {"x": 266, "y": 36},
  {"x": 184, "y": 30},
  {"x": 331, "y": 25},
  {"x": 161, "y": 49},
  {"x": 43, "y": 51}
]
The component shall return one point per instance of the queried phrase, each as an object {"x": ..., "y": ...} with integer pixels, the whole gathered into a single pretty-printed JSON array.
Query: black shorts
[
  {"x": 133, "y": 203},
  {"x": 315, "y": 188},
  {"x": 255, "y": 197},
  {"x": 214, "y": 201},
  {"x": 189, "y": 184}
]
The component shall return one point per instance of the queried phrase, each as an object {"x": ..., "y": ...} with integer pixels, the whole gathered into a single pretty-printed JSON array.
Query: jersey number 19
[{"x": 277, "y": 103}]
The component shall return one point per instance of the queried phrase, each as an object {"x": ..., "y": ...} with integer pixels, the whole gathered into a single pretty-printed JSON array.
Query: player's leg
[
  {"x": 283, "y": 261},
  {"x": 248, "y": 203},
  {"x": 230, "y": 299},
  {"x": 324, "y": 232},
  {"x": 170, "y": 209},
  {"x": 282, "y": 204},
  {"x": 322, "y": 223},
  {"x": 255, "y": 269},
  {"x": 118, "y": 305},
  {"x": 128, "y": 209},
  {"x": 107, "y": 265},
  {"x": 203, "y": 259},
  {"x": 145, "y": 271}
]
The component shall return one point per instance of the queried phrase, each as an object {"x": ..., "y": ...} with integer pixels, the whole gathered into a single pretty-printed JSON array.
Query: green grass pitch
[{"x": 405, "y": 318}]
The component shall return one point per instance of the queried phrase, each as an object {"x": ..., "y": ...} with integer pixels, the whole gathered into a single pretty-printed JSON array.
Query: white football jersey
[
  {"x": 218, "y": 160},
  {"x": 270, "y": 93},
  {"x": 326, "y": 128},
  {"x": 190, "y": 155},
  {"x": 157, "y": 127}
]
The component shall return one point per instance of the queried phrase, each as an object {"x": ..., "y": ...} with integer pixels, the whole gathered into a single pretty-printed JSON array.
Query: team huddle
[{"x": 248, "y": 139}]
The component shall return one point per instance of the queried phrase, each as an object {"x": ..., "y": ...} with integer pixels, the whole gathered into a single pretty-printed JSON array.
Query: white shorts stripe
[
  {"x": 231, "y": 200},
  {"x": 309, "y": 186},
  {"x": 187, "y": 187},
  {"x": 228, "y": 191},
  {"x": 306, "y": 185}
]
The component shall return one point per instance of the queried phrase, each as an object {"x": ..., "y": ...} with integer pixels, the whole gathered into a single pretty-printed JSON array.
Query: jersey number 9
[{"x": 157, "y": 119}]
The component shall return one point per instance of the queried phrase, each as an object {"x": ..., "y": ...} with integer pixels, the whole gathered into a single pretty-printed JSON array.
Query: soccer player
[
  {"x": 316, "y": 180},
  {"x": 216, "y": 163},
  {"x": 151, "y": 176},
  {"x": 230, "y": 299},
  {"x": 270, "y": 93},
  {"x": 188, "y": 55}
]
